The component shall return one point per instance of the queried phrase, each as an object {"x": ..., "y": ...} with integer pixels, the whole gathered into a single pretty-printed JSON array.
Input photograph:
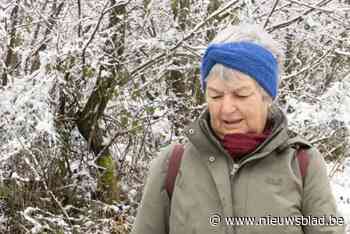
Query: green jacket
[{"x": 265, "y": 184}]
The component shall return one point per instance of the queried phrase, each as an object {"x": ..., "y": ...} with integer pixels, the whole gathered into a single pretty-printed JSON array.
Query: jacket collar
[{"x": 203, "y": 138}]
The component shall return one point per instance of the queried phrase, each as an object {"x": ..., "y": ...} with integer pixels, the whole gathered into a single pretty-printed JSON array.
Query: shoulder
[
  {"x": 313, "y": 159},
  {"x": 161, "y": 160},
  {"x": 311, "y": 151},
  {"x": 296, "y": 140},
  {"x": 159, "y": 164},
  {"x": 301, "y": 143}
]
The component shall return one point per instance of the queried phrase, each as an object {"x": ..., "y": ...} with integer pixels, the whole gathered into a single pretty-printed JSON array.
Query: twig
[
  {"x": 337, "y": 162},
  {"x": 159, "y": 76},
  {"x": 103, "y": 13},
  {"x": 271, "y": 12},
  {"x": 38, "y": 12},
  {"x": 191, "y": 50},
  {"x": 277, "y": 9},
  {"x": 79, "y": 17},
  {"x": 319, "y": 139},
  {"x": 310, "y": 6},
  {"x": 335, "y": 148},
  {"x": 188, "y": 36},
  {"x": 327, "y": 11},
  {"x": 344, "y": 53},
  {"x": 308, "y": 67},
  {"x": 297, "y": 18},
  {"x": 38, "y": 176},
  {"x": 94, "y": 32},
  {"x": 118, "y": 134}
]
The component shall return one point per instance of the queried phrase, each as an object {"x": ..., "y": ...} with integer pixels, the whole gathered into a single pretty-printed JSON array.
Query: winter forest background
[{"x": 91, "y": 90}]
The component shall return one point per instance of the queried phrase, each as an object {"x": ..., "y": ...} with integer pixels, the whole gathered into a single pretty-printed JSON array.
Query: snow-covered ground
[{"x": 340, "y": 183}]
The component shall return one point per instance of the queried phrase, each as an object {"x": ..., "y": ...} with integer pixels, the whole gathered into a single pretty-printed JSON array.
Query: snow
[
  {"x": 18, "y": 177},
  {"x": 320, "y": 112},
  {"x": 37, "y": 227},
  {"x": 340, "y": 183},
  {"x": 162, "y": 131}
]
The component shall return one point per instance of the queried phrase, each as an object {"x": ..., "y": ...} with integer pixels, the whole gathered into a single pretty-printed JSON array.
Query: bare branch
[
  {"x": 37, "y": 175},
  {"x": 310, "y": 6},
  {"x": 309, "y": 67},
  {"x": 10, "y": 53},
  {"x": 188, "y": 36},
  {"x": 276, "y": 10},
  {"x": 103, "y": 13},
  {"x": 297, "y": 18},
  {"x": 37, "y": 29},
  {"x": 79, "y": 18},
  {"x": 340, "y": 52},
  {"x": 119, "y": 134},
  {"x": 337, "y": 163},
  {"x": 271, "y": 12}
]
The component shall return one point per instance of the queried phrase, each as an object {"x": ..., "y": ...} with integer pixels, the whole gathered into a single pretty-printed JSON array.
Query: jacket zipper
[{"x": 235, "y": 168}]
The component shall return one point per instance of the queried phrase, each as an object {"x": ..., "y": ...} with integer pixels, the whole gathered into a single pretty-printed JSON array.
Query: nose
[{"x": 228, "y": 105}]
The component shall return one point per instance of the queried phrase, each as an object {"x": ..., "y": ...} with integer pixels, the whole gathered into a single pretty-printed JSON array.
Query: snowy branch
[
  {"x": 271, "y": 12},
  {"x": 298, "y": 18},
  {"x": 188, "y": 36}
]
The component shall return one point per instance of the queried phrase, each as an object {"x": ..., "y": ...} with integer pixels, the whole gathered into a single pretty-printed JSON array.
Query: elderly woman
[{"x": 241, "y": 171}]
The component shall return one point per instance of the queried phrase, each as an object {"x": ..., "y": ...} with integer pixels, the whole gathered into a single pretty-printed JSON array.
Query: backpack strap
[
  {"x": 300, "y": 145},
  {"x": 303, "y": 160},
  {"x": 173, "y": 168}
]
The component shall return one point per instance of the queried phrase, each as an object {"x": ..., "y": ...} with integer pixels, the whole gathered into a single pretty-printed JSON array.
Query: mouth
[{"x": 232, "y": 122}]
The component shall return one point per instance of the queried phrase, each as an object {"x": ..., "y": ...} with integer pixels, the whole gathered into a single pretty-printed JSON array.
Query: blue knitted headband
[{"x": 246, "y": 57}]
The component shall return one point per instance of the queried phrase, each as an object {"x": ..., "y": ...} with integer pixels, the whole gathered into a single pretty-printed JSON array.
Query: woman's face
[{"x": 235, "y": 105}]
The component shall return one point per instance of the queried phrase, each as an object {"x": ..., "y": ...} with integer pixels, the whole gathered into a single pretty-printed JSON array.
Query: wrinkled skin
[{"x": 236, "y": 105}]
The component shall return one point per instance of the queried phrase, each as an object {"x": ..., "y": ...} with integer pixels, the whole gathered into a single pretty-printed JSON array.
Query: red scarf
[{"x": 239, "y": 144}]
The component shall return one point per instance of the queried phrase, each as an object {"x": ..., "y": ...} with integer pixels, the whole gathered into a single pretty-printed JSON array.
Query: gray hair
[{"x": 249, "y": 33}]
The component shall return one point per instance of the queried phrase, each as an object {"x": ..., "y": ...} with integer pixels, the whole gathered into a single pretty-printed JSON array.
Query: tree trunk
[
  {"x": 10, "y": 59},
  {"x": 108, "y": 189},
  {"x": 88, "y": 127}
]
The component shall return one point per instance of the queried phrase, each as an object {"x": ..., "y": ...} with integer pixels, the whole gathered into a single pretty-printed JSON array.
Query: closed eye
[
  {"x": 216, "y": 97},
  {"x": 244, "y": 94}
]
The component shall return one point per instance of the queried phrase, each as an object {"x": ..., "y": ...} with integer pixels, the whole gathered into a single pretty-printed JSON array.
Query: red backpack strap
[
  {"x": 303, "y": 160},
  {"x": 173, "y": 168}
]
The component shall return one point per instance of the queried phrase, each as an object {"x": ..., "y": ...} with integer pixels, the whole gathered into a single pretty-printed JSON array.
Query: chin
[{"x": 239, "y": 130}]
